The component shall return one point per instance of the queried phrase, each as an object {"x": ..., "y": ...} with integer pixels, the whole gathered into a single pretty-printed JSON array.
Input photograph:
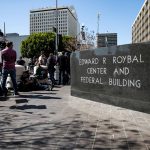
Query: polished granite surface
[{"x": 118, "y": 75}]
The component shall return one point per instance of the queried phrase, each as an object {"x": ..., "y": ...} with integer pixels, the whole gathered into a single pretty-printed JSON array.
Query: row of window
[
  {"x": 141, "y": 22},
  {"x": 47, "y": 18},
  {"x": 48, "y": 12},
  {"x": 52, "y": 25},
  {"x": 41, "y": 27},
  {"x": 43, "y": 15},
  {"x": 52, "y": 16},
  {"x": 48, "y": 22},
  {"x": 47, "y": 30}
]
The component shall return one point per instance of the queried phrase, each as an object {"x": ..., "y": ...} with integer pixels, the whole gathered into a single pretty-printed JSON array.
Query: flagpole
[
  {"x": 56, "y": 42},
  {"x": 4, "y": 31}
]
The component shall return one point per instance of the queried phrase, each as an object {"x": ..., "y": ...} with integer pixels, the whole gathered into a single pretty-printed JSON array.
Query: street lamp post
[{"x": 56, "y": 25}]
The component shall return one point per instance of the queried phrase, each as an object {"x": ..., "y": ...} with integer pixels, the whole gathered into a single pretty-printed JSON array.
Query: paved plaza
[{"x": 54, "y": 120}]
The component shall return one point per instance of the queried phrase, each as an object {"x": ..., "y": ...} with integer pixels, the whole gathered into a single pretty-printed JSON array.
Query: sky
[{"x": 116, "y": 16}]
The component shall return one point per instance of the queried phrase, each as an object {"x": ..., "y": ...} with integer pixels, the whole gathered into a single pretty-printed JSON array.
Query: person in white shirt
[{"x": 42, "y": 59}]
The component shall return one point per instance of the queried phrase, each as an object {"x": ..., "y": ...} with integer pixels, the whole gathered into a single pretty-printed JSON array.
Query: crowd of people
[{"x": 35, "y": 70}]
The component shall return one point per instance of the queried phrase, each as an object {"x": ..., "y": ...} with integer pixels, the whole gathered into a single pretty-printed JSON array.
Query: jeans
[
  {"x": 12, "y": 73},
  {"x": 62, "y": 76},
  {"x": 51, "y": 75}
]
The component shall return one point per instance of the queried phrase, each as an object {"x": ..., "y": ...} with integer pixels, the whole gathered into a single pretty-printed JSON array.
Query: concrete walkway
[{"x": 54, "y": 120}]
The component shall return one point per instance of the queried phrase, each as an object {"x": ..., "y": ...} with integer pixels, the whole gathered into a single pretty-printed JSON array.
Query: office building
[
  {"x": 63, "y": 18},
  {"x": 141, "y": 25},
  {"x": 16, "y": 39},
  {"x": 106, "y": 39}
]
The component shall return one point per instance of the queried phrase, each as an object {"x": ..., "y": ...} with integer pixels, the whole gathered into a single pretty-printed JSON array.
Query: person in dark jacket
[
  {"x": 62, "y": 64},
  {"x": 51, "y": 62}
]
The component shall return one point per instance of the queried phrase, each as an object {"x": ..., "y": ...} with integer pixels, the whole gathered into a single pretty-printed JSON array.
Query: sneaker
[{"x": 16, "y": 94}]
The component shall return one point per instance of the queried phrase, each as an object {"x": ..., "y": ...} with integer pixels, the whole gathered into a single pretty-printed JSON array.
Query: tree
[
  {"x": 1, "y": 33},
  {"x": 69, "y": 43},
  {"x": 66, "y": 43},
  {"x": 2, "y": 40},
  {"x": 37, "y": 42}
]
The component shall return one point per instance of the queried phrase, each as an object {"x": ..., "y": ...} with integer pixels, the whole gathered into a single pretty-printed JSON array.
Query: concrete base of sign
[{"x": 116, "y": 101}]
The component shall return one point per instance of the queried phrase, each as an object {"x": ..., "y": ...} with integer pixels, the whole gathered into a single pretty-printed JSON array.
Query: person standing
[
  {"x": 51, "y": 62},
  {"x": 62, "y": 62},
  {"x": 9, "y": 56},
  {"x": 42, "y": 59}
]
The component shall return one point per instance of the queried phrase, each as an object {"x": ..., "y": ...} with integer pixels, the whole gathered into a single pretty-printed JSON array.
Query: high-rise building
[
  {"x": 48, "y": 19},
  {"x": 141, "y": 25},
  {"x": 106, "y": 39}
]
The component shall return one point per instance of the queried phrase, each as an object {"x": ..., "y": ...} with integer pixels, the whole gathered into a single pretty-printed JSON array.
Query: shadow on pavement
[
  {"x": 23, "y": 107},
  {"x": 67, "y": 134},
  {"x": 3, "y": 98},
  {"x": 38, "y": 96},
  {"x": 44, "y": 93}
]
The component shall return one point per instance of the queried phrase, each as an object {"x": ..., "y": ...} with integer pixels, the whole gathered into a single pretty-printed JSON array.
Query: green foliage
[
  {"x": 37, "y": 42},
  {"x": 69, "y": 43}
]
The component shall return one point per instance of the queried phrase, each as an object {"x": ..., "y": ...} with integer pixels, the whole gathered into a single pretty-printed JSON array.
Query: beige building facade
[
  {"x": 141, "y": 25},
  {"x": 45, "y": 19}
]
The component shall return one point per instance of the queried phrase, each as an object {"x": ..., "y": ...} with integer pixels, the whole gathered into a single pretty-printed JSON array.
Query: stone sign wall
[{"x": 118, "y": 75}]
